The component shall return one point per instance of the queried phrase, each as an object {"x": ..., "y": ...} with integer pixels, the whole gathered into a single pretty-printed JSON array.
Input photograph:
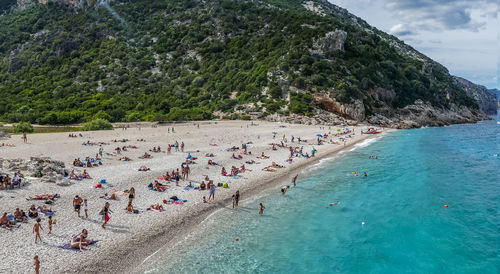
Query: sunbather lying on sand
[
  {"x": 156, "y": 207},
  {"x": 144, "y": 168},
  {"x": 269, "y": 169},
  {"x": 80, "y": 240},
  {"x": 126, "y": 159},
  {"x": 276, "y": 165},
  {"x": 157, "y": 186},
  {"x": 44, "y": 209},
  {"x": 43, "y": 197},
  {"x": 109, "y": 197},
  {"x": 209, "y": 155},
  {"x": 252, "y": 162},
  {"x": 239, "y": 157},
  {"x": 263, "y": 156},
  {"x": 212, "y": 163},
  {"x": 146, "y": 156}
]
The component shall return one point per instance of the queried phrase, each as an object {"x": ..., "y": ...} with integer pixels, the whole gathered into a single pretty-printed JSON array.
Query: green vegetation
[
  {"x": 183, "y": 60},
  {"x": 97, "y": 124},
  {"x": 22, "y": 127}
]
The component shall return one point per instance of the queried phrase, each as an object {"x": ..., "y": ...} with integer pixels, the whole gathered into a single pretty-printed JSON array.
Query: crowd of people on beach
[{"x": 241, "y": 155}]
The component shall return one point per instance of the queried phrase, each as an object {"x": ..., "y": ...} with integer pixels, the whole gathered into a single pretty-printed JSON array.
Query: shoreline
[
  {"x": 129, "y": 257},
  {"x": 131, "y": 238}
]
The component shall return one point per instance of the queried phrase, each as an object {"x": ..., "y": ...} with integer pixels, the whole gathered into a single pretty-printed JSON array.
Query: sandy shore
[{"x": 130, "y": 238}]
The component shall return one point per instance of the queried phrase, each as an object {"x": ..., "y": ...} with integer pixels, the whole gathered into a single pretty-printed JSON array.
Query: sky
[{"x": 463, "y": 35}]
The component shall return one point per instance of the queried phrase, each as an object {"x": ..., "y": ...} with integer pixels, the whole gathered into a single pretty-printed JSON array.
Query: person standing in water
[
  {"x": 261, "y": 211},
  {"x": 237, "y": 197},
  {"x": 295, "y": 179}
]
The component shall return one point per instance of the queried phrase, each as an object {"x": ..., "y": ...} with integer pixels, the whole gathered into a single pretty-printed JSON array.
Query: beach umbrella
[{"x": 319, "y": 135}]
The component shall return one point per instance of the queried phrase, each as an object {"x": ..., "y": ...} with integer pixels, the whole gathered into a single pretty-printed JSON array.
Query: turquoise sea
[{"x": 407, "y": 228}]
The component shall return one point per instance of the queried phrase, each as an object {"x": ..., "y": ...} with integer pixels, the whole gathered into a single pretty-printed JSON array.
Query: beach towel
[{"x": 68, "y": 246}]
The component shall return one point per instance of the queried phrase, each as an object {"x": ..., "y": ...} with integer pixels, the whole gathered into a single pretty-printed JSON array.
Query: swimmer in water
[{"x": 336, "y": 203}]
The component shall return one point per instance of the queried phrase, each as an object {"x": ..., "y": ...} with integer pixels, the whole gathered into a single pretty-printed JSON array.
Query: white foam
[{"x": 365, "y": 143}]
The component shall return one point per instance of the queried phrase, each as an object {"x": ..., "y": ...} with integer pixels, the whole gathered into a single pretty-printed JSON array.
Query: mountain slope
[
  {"x": 293, "y": 60},
  {"x": 486, "y": 99}
]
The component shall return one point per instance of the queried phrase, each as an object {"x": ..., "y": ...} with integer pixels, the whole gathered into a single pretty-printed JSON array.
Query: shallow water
[{"x": 401, "y": 203}]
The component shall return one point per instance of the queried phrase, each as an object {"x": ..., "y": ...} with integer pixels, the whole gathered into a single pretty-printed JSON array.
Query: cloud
[
  {"x": 440, "y": 15},
  {"x": 400, "y": 30}
]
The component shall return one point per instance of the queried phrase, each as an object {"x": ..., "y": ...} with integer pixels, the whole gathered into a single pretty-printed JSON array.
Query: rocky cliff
[
  {"x": 487, "y": 100},
  {"x": 497, "y": 92}
]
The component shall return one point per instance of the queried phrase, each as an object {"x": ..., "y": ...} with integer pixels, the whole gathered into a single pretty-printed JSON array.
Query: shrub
[
  {"x": 23, "y": 127},
  {"x": 97, "y": 124}
]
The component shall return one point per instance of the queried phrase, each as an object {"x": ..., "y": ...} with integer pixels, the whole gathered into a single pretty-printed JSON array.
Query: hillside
[
  {"x": 293, "y": 60},
  {"x": 486, "y": 99}
]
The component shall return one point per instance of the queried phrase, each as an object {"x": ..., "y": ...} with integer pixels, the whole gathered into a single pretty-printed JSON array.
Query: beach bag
[
  {"x": 225, "y": 185},
  {"x": 220, "y": 184}
]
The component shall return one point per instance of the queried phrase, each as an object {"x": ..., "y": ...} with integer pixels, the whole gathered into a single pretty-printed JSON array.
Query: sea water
[{"x": 392, "y": 221}]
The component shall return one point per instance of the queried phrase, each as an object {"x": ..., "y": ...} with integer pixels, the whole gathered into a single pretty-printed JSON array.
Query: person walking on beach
[
  {"x": 261, "y": 211},
  {"x": 77, "y": 204},
  {"x": 176, "y": 143},
  {"x": 86, "y": 208},
  {"x": 237, "y": 197},
  {"x": 25, "y": 137},
  {"x": 36, "y": 230},
  {"x": 131, "y": 196},
  {"x": 234, "y": 200},
  {"x": 106, "y": 211},
  {"x": 37, "y": 265},
  {"x": 212, "y": 193},
  {"x": 182, "y": 146},
  {"x": 295, "y": 179},
  {"x": 50, "y": 225},
  {"x": 186, "y": 171}
]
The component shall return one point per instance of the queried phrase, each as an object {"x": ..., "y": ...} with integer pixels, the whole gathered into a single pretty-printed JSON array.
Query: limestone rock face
[
  {"x": 333, "y": 42},
  {"x": 421, "y": 114},
  {"x": 354, "y": 111},
  {"x": 487, "y": 100}
]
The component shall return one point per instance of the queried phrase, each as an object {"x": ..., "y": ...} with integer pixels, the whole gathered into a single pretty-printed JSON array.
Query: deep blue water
[{"x": 401, "y": 202}]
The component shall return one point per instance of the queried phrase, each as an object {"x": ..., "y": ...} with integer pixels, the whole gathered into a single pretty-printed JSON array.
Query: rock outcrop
[
  {"x": 354, "y": 111},
  {"x": 4, "y": 135},
  {"x": 487, "y": 100},
  {"x": 332, "y": 42},
  {"x": 72, "y": 3},
  {"x": 52, "y": 171},
  {"x": 422, "y": 114}
]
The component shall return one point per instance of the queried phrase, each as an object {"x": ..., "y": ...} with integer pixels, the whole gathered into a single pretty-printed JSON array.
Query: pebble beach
[{"x": 130, "y": 238}]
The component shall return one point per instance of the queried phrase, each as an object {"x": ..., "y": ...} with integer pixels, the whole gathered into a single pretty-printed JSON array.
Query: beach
[{"x": 130, "y": 238}]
